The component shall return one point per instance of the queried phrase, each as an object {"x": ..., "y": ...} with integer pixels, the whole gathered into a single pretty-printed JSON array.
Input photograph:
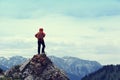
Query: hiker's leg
[
  {"x": 43, "y": 46},
  {"x": 39, "y": 45}
]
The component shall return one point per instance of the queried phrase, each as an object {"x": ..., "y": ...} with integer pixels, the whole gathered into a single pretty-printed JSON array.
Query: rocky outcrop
[{"x": 40, "y": 67}]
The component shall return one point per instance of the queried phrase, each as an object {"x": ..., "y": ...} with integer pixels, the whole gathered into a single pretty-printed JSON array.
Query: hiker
[{"x": 40, "y": 36}]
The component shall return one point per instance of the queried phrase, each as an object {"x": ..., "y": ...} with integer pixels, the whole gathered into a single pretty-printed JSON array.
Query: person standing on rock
[{"x": 40, "y": 36}]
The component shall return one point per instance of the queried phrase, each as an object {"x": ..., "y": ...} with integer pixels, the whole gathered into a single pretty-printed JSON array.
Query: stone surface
[
  {"x": 22, "y": 67},
  {"x": 40, "y": 67}
]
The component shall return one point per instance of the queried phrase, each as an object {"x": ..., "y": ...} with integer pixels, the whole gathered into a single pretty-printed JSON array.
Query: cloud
[
  {"x": 76, "y": 8},
  {"x": 91, "y": 50},
  {"x": 86, "y": 29}
]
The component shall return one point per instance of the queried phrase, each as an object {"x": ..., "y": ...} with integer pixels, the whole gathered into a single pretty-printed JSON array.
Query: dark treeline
[{"x": 108, "y": 72}]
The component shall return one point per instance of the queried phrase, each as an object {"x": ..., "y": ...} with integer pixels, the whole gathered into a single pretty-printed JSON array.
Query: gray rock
[
  {"x": 40, "y": 67},
  {"x": 30, "y": 77},
  {"x": 22, "y": 67}
]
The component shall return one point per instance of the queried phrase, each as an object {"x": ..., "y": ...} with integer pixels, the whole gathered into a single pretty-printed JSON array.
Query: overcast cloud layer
[{"x": 88, "y": 29}]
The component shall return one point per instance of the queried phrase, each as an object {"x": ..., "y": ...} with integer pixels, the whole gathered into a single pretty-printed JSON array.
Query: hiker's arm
[
  {"x": 44, "y": 35},
  {"x": 36, "y": 35}
]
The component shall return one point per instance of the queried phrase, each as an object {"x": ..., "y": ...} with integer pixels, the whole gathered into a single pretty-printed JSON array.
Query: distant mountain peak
[
  {"x": 40, "y": 67},
  {"x": 76, "y": 68}
]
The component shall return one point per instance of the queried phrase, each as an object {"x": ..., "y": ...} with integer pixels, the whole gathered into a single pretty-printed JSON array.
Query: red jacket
[{"x": 40, "y": 35}]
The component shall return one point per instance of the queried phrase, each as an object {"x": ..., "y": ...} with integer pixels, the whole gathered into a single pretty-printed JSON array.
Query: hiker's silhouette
[{"x": 40, "y": 36}]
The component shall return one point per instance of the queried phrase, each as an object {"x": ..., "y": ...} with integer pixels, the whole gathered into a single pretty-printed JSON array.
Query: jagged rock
[
  {"x": 24, "y": 65},
  {"x": 40, "y": 67},
  {"x": 30, "y": 77}
]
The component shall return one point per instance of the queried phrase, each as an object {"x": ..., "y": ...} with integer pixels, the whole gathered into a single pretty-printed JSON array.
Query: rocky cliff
[{"x": 40, "y": 67}]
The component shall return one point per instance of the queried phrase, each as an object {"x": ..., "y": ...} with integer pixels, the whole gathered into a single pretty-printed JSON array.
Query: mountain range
[
  {"x": 3, "y": 68},
  {"x": 74, "y": 67},
  {"x": 11, "y": 61},
  {"x": 108, "y": 72}
]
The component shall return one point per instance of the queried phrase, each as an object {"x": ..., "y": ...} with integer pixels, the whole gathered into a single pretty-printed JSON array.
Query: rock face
[{"x": 39, "y": 67}]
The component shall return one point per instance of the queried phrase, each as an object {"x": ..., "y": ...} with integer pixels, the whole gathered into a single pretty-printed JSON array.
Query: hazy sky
[{"x": 88, "y": 29}]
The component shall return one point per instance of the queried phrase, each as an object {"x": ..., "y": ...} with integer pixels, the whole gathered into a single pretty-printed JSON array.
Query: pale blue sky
[{"x": 88, "y": 29}]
